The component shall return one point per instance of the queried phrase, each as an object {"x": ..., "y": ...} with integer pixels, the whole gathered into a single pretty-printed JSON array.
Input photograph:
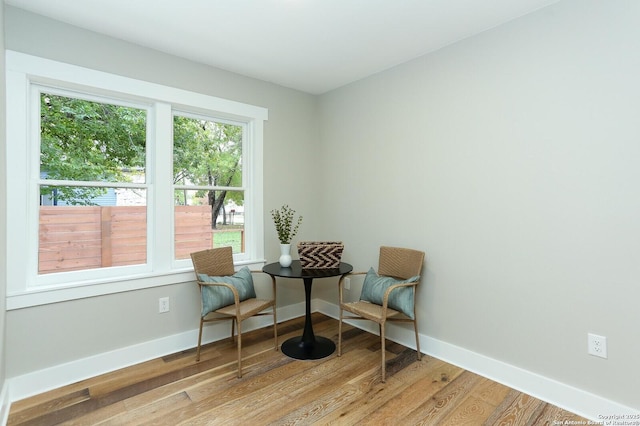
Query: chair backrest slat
[
  {"x": 214, "y": 262},
  {"x": 400, "y": 262}
]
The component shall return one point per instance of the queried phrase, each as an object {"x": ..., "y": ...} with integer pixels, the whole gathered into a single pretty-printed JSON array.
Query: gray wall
[
  {"x": 77, "y": 329},
  {"x": 512, "y": 159}
]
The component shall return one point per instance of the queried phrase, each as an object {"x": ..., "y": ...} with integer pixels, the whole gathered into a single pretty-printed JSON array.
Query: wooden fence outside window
[{"x": 87, "y": 237}]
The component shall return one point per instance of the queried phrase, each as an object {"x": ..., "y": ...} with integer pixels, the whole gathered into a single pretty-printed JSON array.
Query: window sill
[{"x": 44, "y": 296}]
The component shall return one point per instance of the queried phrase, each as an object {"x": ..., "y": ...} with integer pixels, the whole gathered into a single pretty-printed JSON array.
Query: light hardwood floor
[{"x": 277, "y": 390}]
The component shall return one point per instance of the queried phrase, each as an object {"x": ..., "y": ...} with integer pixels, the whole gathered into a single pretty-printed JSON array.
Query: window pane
[
  {"x": 194, "y": 218},
  {"x": 109, "y": 230},
  {"x": 85, "y": 227},
  {"x": 206, "y": 153},
  {"x": 82, "y": 140}
]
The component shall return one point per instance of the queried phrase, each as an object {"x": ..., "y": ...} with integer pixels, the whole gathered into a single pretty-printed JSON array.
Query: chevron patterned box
[{"x": 320, "y": 254}]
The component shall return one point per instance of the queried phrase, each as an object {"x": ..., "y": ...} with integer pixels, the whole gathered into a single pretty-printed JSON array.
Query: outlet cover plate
[
  {"x": 597, "y": 345},
  {"x": 163, "y": 305}
]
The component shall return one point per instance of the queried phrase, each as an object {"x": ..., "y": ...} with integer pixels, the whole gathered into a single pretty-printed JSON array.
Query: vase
[{"x": 285, "y": 255}]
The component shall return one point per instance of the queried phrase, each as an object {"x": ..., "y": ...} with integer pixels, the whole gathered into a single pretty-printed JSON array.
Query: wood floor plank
[
  {"x": 380, "y": 402},
  {"x": 523, "y": 410},
  {"x": 278, "y": 390},
  {"x": 554, "y": 415},
  {"x": 119, "y": 379},
  {"x": 491, "y": 392},
  {"x": 155, "y": 412},
  {"x": 98, "y": 416},
  {"x": 27, "y": 412},
  {"x": 445, "y": 401},
  {"x": 472, "y": 411}
]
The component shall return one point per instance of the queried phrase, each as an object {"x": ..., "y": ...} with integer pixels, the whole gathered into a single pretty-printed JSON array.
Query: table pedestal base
[{"x": 319, "y": 348}]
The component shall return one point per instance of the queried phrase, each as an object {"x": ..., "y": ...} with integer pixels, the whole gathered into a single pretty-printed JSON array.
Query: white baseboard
[
  {"x": 60, "y": 375},
  {"x": 40, "y": 381},
  {"x": 562, "y": 395},
  {"x": 572, "y": 399}
]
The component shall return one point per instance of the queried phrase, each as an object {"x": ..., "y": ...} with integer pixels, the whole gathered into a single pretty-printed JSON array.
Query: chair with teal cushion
[
  {"x": 388, "y": 295},
  {"x": 229, "y": 294}
]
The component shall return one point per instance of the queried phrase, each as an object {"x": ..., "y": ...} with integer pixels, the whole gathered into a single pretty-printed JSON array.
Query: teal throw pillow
[
  {"x": 400, "y": 299},
  {"x": 216, "y": 297}
]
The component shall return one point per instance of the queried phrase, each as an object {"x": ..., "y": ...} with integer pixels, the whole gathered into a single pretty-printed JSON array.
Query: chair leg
[
  {"x": 415, "y": 327},
  {"x": 239, "y": 349},
  {"x": 384, "y": 370},
  {"x": 233, "y": 323},
  {"x": 199, "y": 341},
  {"x": 275, "y": 327},
  {"x": 340, "y": 334}
]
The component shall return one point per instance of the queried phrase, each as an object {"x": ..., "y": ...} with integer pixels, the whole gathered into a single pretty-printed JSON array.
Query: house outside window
[{"x": 114, "y": 181}]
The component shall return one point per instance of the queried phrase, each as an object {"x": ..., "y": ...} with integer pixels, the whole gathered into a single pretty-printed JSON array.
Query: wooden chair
[
  {"x": 218, "y": 262},
  {"x": 398, "y": 263}
]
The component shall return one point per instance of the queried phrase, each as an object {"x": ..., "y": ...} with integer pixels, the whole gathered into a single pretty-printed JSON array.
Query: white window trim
[{"x": 24, "y": 288}]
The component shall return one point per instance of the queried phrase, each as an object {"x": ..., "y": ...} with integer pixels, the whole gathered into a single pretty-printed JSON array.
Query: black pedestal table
[{"x": 307, "y": 346}]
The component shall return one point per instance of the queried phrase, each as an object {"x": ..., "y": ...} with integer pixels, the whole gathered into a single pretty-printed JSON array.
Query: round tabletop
[{"x": 296, "y": 270}]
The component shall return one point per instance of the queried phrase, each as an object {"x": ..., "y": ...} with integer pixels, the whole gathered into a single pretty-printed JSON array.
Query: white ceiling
[{"x": 309, "y": 45}]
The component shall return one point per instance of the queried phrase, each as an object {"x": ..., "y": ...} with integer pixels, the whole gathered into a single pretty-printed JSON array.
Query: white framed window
[
  {"x": 89, "y": 157},
  {"x": 113, "y": 181},
  {"x": 209, "y": 183}
]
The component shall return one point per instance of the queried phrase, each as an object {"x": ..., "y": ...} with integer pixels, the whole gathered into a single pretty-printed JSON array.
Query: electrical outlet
[
  {"x": 163, "y": 305},
  {"x": 347, "y": 283},
  {"x": 597, "y": 345}
]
